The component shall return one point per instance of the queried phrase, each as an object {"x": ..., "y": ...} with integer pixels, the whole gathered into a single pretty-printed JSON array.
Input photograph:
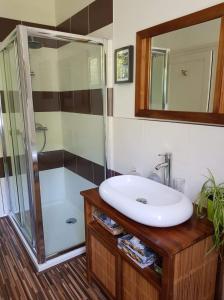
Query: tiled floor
[{"x": 18, "y": 280}]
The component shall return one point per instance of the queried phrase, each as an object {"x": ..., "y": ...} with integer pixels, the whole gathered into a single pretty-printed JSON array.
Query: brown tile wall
[
  {"x": 100, "y": 14},
  {"x": 79, "y": 165},
  {"x": 7, "y": 25},
  {"x": 84, "y": 167},
  {"x": 50, "y": 160},
  {"x": 111, "y": 173},
  {"x": 110, "y": 100},
  {"x": 83, "y": 101},
  {"x": 62, "y": 158},
  {"x": 2, "y": 171},
  {"x": 94, "y": 16},
  {"x": 2, "y": 101},
  {"x": 46, "y": 101}
]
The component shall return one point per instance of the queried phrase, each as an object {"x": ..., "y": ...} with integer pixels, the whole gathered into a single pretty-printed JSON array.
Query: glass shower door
[
  {"x": 18, "y": 181},
  {"x": 67, "y": 80}
]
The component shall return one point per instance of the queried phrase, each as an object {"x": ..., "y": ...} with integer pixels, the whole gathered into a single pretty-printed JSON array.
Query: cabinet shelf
[{"x": 149, "y": 273}]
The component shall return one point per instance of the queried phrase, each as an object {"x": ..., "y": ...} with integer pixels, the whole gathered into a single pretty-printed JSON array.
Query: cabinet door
[
  {"x": 103, "y": 265},
  {"x": 135, "y": 286}
]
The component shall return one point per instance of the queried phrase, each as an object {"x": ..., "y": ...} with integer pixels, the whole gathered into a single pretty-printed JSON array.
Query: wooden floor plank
[{"x": 18, "y": 280}]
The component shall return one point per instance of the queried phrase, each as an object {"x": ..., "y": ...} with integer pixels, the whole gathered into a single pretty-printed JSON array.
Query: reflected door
[{"x": 190, "y": 81}]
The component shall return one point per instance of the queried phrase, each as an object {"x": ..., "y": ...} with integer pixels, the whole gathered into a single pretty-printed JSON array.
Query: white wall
[
  {"x": 41, "y": 11},
  {"x": 136, "y": 143},
  {"x": 67, "y": 8},
  {"x": 199, "y": 35}
]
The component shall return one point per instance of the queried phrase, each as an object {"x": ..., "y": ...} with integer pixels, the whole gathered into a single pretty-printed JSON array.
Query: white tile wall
[
  {"x": 41, "y": 11},
  {"x": 44, "y": 65},
  {"x": 83, "y": 135},
  {"x": 195, "y": 148},
  {"x": 136, "y": 143},
  {"x": 53, "y": 121}
]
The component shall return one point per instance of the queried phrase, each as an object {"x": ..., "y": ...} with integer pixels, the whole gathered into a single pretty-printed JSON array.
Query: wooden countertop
[{"x": 165, "y": 241}]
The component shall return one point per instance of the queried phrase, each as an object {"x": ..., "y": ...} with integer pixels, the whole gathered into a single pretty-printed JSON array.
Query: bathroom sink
[{"x": 146, "y": 201}]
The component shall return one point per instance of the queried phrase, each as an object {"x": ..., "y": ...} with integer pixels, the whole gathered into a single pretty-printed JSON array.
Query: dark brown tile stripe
[
  {"x": 46, "y": 101},
  {"x": 96, "y": 102},
  {"x": 100, "y": 14},
  {"x": 2, "y": 101},
  {"x": 7, "y": 25},
  {"x": 67, "y": 101},
  {"x": 65, "y": 26},
  {"x": 84, "y": 167},
  {"x": 62, "y": 158},
  {"x": 111, "y": 173},
  {"x": 70, "y": 161},
  {"x": 93, "y": 17},
  {"x": 18, "y": 280},
  {"x": 43, "y": 26},
  {"x": 50, "y": 160},
  {"x": 110, "y": 102},
  {"x": 98, "y": 174},
  {"x": 79, "y": 165},
  {"x": 79, "y": 22},
  {"x": 83, "y": 101},
  {"x": 2, "y": 169}
]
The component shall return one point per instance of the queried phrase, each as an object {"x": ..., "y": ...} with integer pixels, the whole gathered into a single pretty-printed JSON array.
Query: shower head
[{"x": 34, "y": 44}]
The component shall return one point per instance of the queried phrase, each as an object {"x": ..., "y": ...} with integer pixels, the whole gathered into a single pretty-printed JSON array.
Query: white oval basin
[{"x": 146, "y": 201}]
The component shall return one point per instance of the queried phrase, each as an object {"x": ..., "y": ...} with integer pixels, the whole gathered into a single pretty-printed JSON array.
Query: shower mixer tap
[{"x": 40, "y": 127}]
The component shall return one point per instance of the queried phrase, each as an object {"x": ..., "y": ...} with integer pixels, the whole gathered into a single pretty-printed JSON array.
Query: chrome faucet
[{"x": 166, "y": 166}]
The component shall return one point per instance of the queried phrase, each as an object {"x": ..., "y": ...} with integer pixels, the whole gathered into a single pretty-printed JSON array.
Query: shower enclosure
[{"x": 53, "y": 115}]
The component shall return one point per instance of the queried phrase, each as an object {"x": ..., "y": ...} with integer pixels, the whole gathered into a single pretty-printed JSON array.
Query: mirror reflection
[{"x": 183, "y": 68}]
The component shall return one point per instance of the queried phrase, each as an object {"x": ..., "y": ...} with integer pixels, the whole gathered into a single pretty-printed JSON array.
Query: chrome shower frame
[
  {"x": 165, "y": 53},
  {"x": 21, "y": 33}
]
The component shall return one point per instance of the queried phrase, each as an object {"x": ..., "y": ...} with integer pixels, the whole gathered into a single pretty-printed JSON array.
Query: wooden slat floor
[{"x": 18, "y": 280}]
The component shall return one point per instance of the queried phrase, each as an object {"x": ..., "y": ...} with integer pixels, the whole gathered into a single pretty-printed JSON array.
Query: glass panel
[
  {"x": 158, "y": 78},
  {"x": 67, "y": 83},
  {"x": 14, "y": 118}
]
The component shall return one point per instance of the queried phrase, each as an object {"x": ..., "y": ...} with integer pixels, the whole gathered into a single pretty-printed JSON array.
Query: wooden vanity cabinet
[{"x": 189, "y": 272}]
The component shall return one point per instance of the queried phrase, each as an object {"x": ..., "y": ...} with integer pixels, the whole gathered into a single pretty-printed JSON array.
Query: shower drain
[{"x": 71, "y": 221}]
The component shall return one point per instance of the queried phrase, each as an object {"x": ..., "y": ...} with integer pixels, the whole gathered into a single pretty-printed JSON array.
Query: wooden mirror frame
[{"x": 143, "y": 64}]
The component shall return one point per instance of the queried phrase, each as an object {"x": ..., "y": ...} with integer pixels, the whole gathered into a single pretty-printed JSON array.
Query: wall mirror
[{"x": 180, "y": 68}]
